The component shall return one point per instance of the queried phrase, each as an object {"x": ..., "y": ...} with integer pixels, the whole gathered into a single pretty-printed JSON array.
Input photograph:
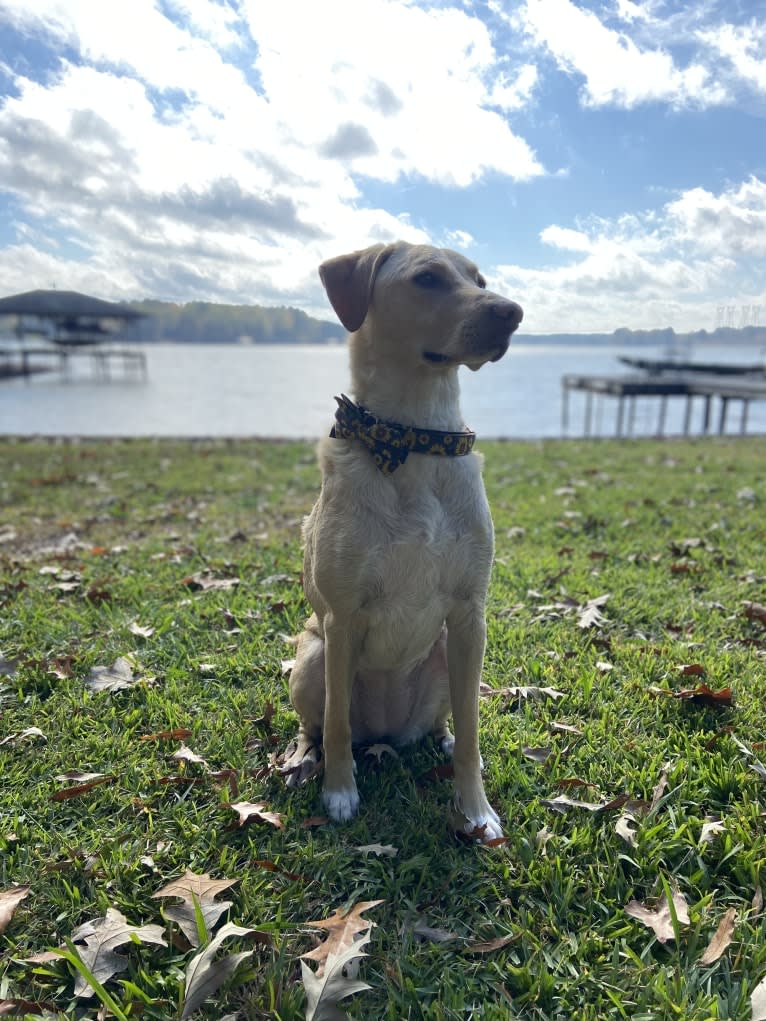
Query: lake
[{"x": 281, "y": 391}]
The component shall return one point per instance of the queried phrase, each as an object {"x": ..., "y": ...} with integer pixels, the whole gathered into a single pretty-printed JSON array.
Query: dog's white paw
[
  {"x": 482, "y": 824},
  {"x": 341, "y": 805}
]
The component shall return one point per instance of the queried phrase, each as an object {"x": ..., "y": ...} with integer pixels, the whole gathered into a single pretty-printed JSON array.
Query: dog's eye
[
  {"x": 427, "y": 279},
  {"x": 481, "y": 282}
]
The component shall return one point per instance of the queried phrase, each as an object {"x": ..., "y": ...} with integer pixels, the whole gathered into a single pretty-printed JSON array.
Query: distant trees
[{"x": 201, "y": 322}]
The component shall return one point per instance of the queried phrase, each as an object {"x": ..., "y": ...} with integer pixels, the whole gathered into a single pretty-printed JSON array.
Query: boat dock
[
  {"x": 106, "y": 362},
  {"x": 729, "y": 384}
]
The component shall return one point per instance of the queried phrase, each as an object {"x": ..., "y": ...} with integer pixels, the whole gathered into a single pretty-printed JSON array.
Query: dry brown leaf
[
  {"x": 692, "y": 670},
  {"x": 757, "y": 903},
  {"x": 537, "y": 754},
  {"x": 258, "y": 811},
  {"x": 756, "y": 611},
  {"x": 489, "y": 946},
  {"x": 200, "y": 890},
  {"x": 659, "y": 918},
  {"x": 27, "y": 1008},
  {"x": 205, "y": 582},
  {"x": 178, "y": 734},
  {"x": 9, "y": 901},
  {"x": 342, "y": 930},
  {"x": 565, "y": 728},
  {"x": 101, "y": 937},
  {"x": 722, "y": 937},
  {"x": 184, "y": 754},
  {"x": 81, "y": 788},
  {"x": 659, "y": 790},
  {"x": 334, "y": 982}
]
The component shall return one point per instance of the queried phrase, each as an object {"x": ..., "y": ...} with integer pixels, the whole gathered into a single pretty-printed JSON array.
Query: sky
[{"x": 602, "y": 161}]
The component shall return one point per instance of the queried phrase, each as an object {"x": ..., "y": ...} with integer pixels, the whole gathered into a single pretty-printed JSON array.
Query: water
[{"x": 208, "y": 390}]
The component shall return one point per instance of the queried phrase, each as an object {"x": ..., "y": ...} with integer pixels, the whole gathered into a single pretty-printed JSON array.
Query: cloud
[
  {"x": 744, "y": 49},
  {"x": 218, "y": 153},
  {"x": 617, "y": 71},
  {"x": 672, "y": 266}
]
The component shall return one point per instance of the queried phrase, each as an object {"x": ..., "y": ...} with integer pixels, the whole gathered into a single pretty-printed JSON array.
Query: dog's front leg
[
  {"x": 466, "y": 637},
  {"x": 342, "y": 643}
]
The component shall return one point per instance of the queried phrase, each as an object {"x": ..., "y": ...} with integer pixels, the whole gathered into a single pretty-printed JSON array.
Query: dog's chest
[{"x": 437, "y": 552}]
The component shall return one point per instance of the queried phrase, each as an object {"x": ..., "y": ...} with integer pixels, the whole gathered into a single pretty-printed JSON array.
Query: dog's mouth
[{"x": 435, "y": 358}]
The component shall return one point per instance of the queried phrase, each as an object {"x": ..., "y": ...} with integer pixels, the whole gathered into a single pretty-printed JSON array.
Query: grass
[{"x": 673, "y": 531}]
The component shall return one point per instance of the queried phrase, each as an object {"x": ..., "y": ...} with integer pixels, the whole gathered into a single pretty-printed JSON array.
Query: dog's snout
[{"x": 507, "y": 310}]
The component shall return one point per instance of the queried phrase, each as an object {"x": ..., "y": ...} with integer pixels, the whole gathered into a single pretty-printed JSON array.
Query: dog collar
[{"x": 390, "y": 443}]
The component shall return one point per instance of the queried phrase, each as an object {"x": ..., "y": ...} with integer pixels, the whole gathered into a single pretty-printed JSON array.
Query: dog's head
[{"x": 430, "y": 305}]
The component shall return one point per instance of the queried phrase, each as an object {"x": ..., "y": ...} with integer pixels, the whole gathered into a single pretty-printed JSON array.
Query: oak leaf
[
  {"x": 660, "y": 919},
  {"x": 248, "y": 810},
  {"x": 327, "y": 987},
  {"x": 381, "y": 850},
  {"x": 197, "y": 892},
  {"x": 589, "y": 614},
  {"x": 205, "y": 975},
  {"x": 112, "y": 678},
  {"x": 101, "y": 936},
  {"x": 377, "y": 751},
  {"x": 342, "y": 929}
]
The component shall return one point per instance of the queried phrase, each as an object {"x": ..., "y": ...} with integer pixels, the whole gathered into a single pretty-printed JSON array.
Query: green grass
[{"x": 574, "y": 521}]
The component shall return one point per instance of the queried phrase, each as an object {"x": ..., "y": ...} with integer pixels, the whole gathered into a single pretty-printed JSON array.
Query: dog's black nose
[{"x": 508, "y": 310}]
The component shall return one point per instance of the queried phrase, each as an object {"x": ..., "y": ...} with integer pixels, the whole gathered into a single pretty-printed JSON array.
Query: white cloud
[
  {"x": 744, "y": 47},
  {"x": 617, "y": 71},
  {"x": 670, "y": 267},
  {"x": 156, "y": 148}
]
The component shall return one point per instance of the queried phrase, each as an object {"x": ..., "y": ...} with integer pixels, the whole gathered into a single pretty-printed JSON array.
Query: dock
[
  {"x": 689, "y": 382},
  {"x": 106, "y": 362}
]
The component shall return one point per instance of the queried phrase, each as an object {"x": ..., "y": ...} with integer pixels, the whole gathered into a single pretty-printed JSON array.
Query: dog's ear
[{"x": 348, "y": 280}]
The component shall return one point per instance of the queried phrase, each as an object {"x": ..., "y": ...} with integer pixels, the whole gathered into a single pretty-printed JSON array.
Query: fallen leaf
[
  {"x": 701, "y": 695},
  {"x": 659, "y": 790},
  {"x": 205, "y": 975},
  {"x": 112, "y": 678},
  {"x": 29, "y": 733},
  {"x": 521, "y": 692},
  {"x": 9, "y": 901},
  {"x": 271, "y": 866},
  {"x": 721, "y": 938},
  {"x": 425, "y": 933},
  {"x": 178, "y": 734},
  {"x": 659, "y": 919},
  {"x": 589, "y": 614},
  {"x": 141, "y": 632},
  {"x": 287, "y": 665},
  {"x": 184, "y": 754},
  {"x": 625, "y": 828},
  {"x": 8, "y": 666},
  {"x": 758, "y": 1002},
  {"x": 81, "y": 788},
  {"x": 197, "y": 891},
  {"x": 314, "y": 821},
  {"x": 331, "y": 984},
  {"x": 342, "y": 928},
  {"x": 78, "y": 776},
  {"x": 756, "y": 611},
  {"x": 491, "y": 945},
  {"x": 565, "y": 728},
  {"x": 691, "y": 669},
  {"x": 101, "y": 936},
  {"x": 381, "y": 850},
  {"x": 205, "y": 582},
  {"x": 756, "y": 905},
  {"x": 536, "y": 754},
  {"x": 248, "y": 810},
  {"x": 27, "y": 1008}
]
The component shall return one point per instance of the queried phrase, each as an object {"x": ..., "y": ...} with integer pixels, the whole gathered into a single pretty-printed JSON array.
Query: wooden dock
[
  {"x": 726, "y": 388},
  {"x": 106, "y": 362}
]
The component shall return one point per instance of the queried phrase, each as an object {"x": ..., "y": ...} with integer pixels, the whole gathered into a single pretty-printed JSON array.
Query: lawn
[{"x": 626, "y": 573}]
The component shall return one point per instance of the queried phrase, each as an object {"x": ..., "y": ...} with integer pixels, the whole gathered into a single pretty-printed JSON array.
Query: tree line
[{"x": 202, "y": 322}]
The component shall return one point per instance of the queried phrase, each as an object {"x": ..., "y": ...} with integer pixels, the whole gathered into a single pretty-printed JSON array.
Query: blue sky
[{"x": 603, "y": 162}]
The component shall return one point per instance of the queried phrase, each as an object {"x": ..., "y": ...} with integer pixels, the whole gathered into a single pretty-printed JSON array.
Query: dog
[{"x": 399, "y": 545}]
